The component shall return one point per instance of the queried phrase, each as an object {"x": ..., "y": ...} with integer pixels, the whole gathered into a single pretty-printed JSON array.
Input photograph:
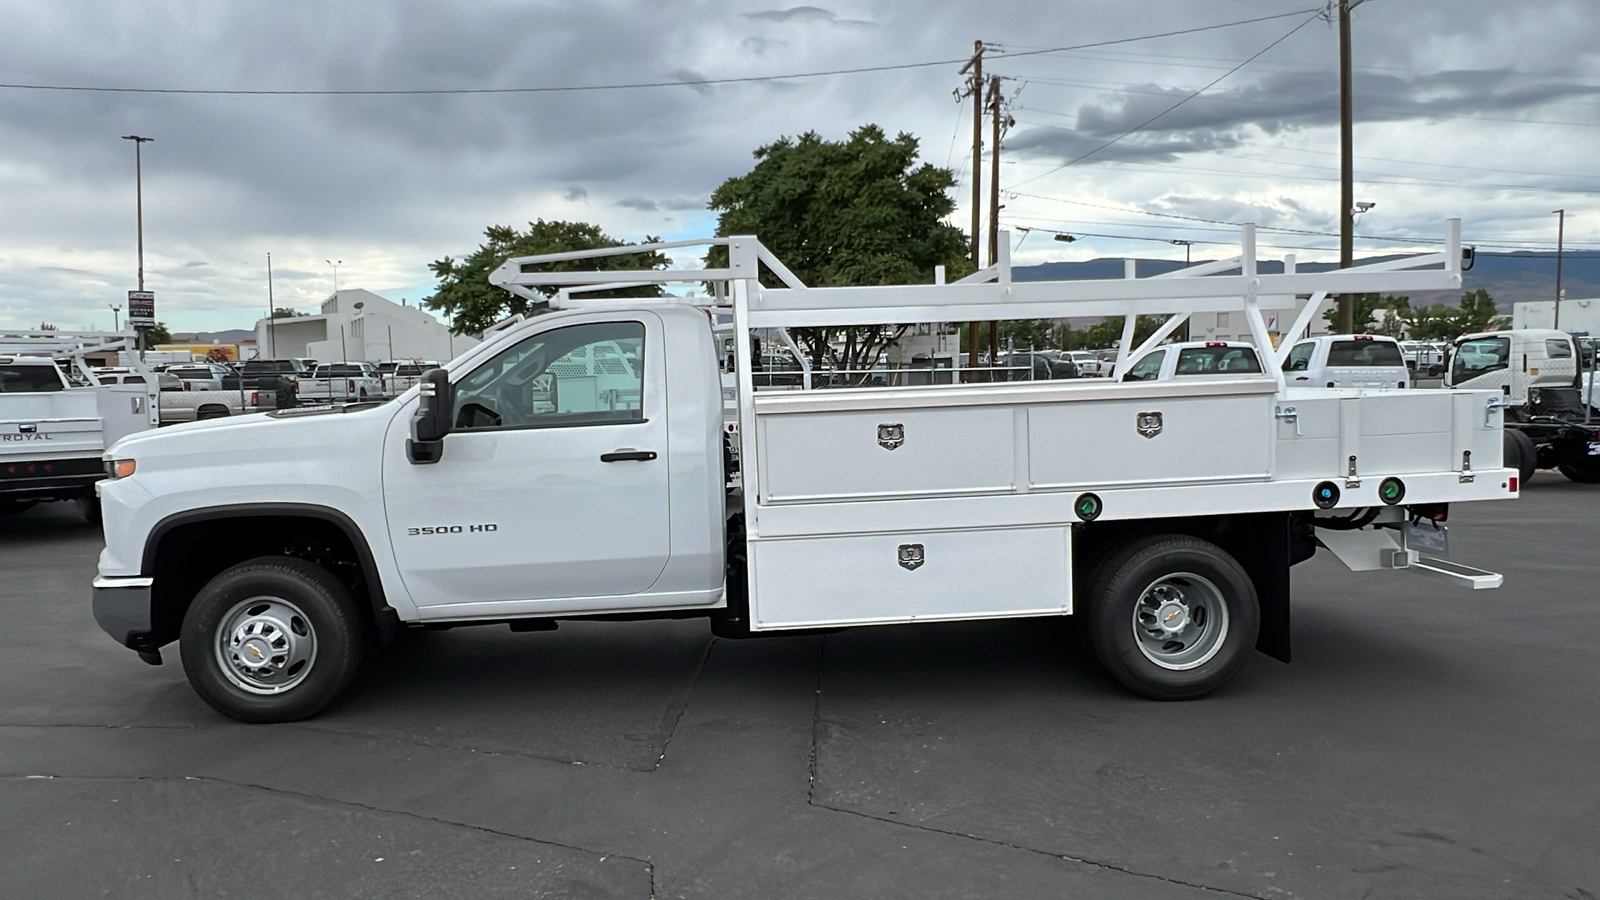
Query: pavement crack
[
  {"x": 1066, "y": 857},
  {"x": 670, "y": 729},
  {"x": 816, "y": 723},
  {"x": 304, "y": 795}
]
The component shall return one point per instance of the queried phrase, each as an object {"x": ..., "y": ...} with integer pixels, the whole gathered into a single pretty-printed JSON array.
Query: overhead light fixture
[{"x": 1064, "y": 238}]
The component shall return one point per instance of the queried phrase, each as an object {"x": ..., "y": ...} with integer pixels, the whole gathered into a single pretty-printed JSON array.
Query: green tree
[
  {"x": 1478, "y": 313},
  {"x": 473, "y": 304},
  {"x": 852, "y": 212},
  {"x": 157, "y": 334},
  {"x": 1365, "y": 314},
  {"x": 284, "y": 312}
]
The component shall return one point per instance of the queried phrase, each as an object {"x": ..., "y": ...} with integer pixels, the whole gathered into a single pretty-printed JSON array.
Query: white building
[
  {"x": 1576, "y": 315},
  {"x": 1230, "y": 326},
  {"x": 360, "y": 325}
]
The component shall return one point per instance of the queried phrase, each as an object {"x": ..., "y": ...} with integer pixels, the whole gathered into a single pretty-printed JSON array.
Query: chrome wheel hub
[
  {"x": 265, "y": 645},
  {"x": 1180, "y": 621}
]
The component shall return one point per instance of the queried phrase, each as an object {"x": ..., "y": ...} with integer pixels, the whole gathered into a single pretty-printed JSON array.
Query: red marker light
[
  {"x": 1216, "y": 343},
  {"x": 1362, "y": 337},
  {"x": 1513, "y": 484}
]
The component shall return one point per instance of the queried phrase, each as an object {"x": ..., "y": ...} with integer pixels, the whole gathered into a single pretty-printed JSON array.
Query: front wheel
[
  {"x": 1172, "y": 617},
  {"x": 274, "y": 639}
]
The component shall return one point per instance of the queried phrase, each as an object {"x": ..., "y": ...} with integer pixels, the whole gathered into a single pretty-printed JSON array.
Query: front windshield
[{"x": 1479, "y": 356}]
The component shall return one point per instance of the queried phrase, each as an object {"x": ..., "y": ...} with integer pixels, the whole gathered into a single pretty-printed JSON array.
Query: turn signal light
[{"x": 120, "y": 468}]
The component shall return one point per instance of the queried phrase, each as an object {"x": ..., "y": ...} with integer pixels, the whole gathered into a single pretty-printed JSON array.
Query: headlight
[{"x": 119, "y": 468}]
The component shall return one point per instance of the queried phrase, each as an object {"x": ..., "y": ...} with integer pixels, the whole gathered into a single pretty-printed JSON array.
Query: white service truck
[
  {"x": 1548, "y": 397},
  {"x": 574, "y": 466},
  {"x": 54, "y": 429}
]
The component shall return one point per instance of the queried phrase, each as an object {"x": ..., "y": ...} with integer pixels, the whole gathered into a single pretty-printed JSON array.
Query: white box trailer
[{"x": 511, "y": 487}]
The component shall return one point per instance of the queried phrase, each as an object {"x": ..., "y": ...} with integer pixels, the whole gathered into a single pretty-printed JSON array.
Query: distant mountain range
[{"x": 1508, "y": 277}]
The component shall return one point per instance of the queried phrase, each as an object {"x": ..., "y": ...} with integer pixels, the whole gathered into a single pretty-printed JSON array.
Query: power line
[
  {"x": 1214, "y": 83},
  {"x": 694, "y": 82}
]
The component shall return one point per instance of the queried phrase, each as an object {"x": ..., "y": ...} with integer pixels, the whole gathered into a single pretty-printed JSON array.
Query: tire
[
  {"x": 1521, "y": 454},
  {"x": 298, "y": 614},
  {"x": 211, "y": 411},
  {"x": 89, "y": 506},
  {"x": 1583, "y": 470},
  {"x": 1206, "y": 589}
]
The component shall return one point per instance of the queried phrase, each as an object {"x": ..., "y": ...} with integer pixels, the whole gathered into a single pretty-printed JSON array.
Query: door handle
[{"x": 625, "y": 455}]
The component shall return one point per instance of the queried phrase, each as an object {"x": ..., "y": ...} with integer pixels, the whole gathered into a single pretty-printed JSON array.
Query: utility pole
[
  {"x": 272, "y": 321},
  {"x": 994, "y": 200},
  {"x": 1347, "y": 192},
  {"x": 974, "y": 89},
  {"x": 1561, "y": 234}
]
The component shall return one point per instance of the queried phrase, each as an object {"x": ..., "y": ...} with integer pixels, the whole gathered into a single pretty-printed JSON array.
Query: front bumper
[{"x": 122, "y": 608}]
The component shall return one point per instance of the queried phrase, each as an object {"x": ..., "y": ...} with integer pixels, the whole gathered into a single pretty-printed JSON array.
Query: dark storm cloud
[
  {"x": 1280, "y": 102},
  {"x": 390, "y": 183},
  {"x": 803, "y": 14}
]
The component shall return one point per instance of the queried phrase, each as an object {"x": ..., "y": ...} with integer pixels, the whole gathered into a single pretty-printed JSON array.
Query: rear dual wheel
[{"x": 1172, "y": 617}]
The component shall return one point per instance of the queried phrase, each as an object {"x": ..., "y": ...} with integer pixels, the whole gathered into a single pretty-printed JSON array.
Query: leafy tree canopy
[
  {"x": 157, "y": 334},
  {"x": 473, "y": 304},
  {"x": 852, "y": 212},
  {"x": 858, "y": 211},
  {"x": 284, "y": 312},
  {"x": 1475, "y": 312}
]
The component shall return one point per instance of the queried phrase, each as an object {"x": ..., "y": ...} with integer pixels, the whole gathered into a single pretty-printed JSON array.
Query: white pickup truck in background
[
  {"x": 399, "y": 376},
  {"x": 1347, "y": 361},
  {"x": 1195, "y": 358},
  {"x": 344, "y": 382},
  {"x": 54, "y": 430}
]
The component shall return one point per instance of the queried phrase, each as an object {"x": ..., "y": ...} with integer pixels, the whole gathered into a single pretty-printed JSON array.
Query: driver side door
[{"x": 552, "y": 488}]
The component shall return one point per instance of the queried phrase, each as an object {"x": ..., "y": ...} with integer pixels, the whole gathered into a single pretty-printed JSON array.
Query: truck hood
[{"x": 262, "y": 433}]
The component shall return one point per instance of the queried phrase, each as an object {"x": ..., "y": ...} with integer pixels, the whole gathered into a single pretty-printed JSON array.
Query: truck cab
[{"x": 1347, "y": 361}]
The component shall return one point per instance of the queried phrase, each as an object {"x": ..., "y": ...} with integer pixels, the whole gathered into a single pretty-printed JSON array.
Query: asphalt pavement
[{"x": 1427, "y": 741}]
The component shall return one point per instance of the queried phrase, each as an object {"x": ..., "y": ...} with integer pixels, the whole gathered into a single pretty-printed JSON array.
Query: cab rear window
[
  {"x": 29, "y": 379},
  {"x": 1217, "y": 360},
  {"x": 1364, "y": 353}
]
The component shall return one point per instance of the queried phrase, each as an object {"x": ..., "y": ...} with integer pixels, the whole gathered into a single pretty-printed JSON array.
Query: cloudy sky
[{"x": 1484, "y": 110}]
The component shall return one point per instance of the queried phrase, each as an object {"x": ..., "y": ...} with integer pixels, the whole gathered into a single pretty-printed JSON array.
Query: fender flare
[{"x": 383, "y": 615}]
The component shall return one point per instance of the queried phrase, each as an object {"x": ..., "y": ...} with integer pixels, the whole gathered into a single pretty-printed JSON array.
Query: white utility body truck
[
  {"x": 57, "y": 416},
  {"x": 573, "y": 466}
]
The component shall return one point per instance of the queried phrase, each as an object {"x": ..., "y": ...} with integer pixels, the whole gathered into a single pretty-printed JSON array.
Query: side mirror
[{"x": 431, "y": 422}]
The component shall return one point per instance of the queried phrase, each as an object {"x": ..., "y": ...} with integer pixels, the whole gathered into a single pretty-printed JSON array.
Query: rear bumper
[{"x": 122, "y": 608}]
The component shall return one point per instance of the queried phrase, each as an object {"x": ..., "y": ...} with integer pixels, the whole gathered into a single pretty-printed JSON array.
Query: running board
[{"x": 1466, "y": 576}]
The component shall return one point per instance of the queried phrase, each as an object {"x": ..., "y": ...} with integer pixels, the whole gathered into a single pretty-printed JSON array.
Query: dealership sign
[{"x": 142, "y": 309}]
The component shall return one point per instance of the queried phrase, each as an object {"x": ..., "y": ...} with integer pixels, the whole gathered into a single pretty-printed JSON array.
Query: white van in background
[{"x": 1347, "y": 361}]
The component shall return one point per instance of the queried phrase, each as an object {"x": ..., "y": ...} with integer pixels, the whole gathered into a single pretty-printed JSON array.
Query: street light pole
[
  {"x": 138, "y": 189},
  {"x": 336, "y": 263},
  {"x": 1186, "y": 246},
  {"x": 1561, "y": 234},
  {"x": 116, "y": 321}
]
